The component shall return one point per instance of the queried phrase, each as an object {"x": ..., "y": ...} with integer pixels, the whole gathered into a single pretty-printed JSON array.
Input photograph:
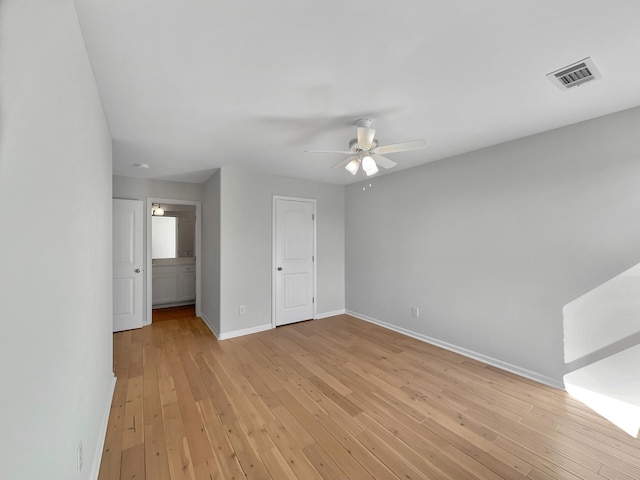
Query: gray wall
[
  {"x": 246, "y": 245},
  {"x": 140, "y": 188},
  {"x": 492, "y": 244},
  {"x": 211, "y": 252},
  {"x": 55, "y": 274}
]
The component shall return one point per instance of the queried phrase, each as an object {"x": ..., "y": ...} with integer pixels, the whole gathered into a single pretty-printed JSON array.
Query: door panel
[
  {"x": 123, "y": 296},
  {"x": 127, "y": 265},
  {"x": 296, "y": 290},
  {"x": 294, "y": 260}
]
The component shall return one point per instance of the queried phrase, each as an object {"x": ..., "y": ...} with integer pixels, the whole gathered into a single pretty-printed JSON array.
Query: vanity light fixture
[{"x": 157, "y": 210}]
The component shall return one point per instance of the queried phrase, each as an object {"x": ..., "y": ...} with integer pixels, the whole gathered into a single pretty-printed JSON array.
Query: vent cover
[{"x": 575, "y": 74}]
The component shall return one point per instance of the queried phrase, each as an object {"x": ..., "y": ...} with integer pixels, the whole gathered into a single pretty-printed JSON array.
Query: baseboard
[
  {"x": 330, "y": 314},
  {"x": 523, "y": 372},
  {"x": 174, "y": 304},
  {"x": 235, "y": 333},
  {"x": 211, "y": 327},
  {"x": 245, "y": 331},
  {"x": 102, "y": 432}
]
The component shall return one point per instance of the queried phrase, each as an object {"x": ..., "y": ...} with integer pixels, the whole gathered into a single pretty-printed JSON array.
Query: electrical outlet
[
  {"x": 415, "y": 312},
  {"x": 79, "y": 458},
  {"x": 243, "y": 310}
]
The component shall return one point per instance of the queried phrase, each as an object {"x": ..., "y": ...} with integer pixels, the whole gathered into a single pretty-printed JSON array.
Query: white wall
[
  {"x": 246, "y": 236},
  {"x": 604, "y": 320},
  {"x": 55, "y": 269},
  {"x": 492, "y": 244},
  {"x": 211, "y": 253}
]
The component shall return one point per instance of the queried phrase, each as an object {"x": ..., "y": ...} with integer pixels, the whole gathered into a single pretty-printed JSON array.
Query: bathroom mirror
[
  {"x": 173, "y": 234},
  {"x": 164, "y": 237}
]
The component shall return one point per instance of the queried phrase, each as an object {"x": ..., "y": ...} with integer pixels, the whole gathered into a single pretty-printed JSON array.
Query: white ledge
[{"x": 611, "y": 387}]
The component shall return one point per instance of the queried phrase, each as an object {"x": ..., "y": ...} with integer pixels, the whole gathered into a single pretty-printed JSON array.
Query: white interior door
[
  {"x": 294, "y": 244},
  {"x": 127, "y": 265}
]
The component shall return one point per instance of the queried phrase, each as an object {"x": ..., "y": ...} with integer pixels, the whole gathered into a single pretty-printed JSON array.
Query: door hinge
[
  {"x": 313, "y": 258},
  {"x": 313, "y": 216},
  {"x": 313, "y": 299}
]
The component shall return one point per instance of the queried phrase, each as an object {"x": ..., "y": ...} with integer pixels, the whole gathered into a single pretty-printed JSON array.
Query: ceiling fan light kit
[
  {"x": 369, "y": 166},
  {"x": 366, "y": 153},
  {"x": 353, "y": 166}
]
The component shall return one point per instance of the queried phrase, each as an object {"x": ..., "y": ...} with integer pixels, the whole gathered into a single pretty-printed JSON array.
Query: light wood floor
[
  {"x": 340, "y": 399},
  {"x": 172, "y": 313}
]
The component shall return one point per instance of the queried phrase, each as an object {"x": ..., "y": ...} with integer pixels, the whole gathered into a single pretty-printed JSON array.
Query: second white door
[
  {"x": 294, "y": 258},
  {"x": 127, "y": 265}
]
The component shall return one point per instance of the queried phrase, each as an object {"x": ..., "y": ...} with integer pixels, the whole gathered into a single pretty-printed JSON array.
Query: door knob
[
  {"x": 137, "y": 270},
  {"x": 279, "y": 269}
]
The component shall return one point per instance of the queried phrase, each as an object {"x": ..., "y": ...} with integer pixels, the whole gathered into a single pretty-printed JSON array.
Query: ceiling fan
[{"x": 366, "y": 153}]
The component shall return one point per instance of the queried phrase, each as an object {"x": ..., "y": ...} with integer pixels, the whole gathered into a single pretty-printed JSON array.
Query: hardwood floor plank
[
  {"x": 293, "y": 427},
  {"x": 323, "y": 463},
  {"x": 360, "y": 453},
  {"x": 536, "y": 474},
  {"x": 277, "y": 465},
  {"x": 410, "y": 432},
  {"x": 134, "y": 414},
  {"x": 547, "y": 460},
  {"x": 221, "y": 448},
  {"x": 321, "y": 373},
  {"x": 325, "y": 439},
  {"x": 207, "y": 471},
  {"x": 340, "y": 399},
  {"x": 155, "y": 451},
  {"x": 613, "y": 474},
  {"x": 112, "y": 451},
  {"x": 291, "y": 449},
  {"x": 133, "y": 465},
  {"x": 593, "y": 452},
  {"x": 178, "y": 454},
  {"x": 391, "y": 458}
]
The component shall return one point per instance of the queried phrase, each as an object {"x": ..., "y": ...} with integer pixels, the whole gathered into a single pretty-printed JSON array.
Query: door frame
[
  {"x": 198, "y": 253},
  {"x": 273, "y": 253}
]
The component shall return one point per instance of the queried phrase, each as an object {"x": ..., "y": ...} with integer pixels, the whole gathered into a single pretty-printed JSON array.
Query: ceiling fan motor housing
[{"x": 353, "y": 145}]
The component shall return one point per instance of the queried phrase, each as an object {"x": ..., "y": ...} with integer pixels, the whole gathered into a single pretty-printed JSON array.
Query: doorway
[
  {"x": 293, "y": 261},
  {"x": 173, "y": 257}
]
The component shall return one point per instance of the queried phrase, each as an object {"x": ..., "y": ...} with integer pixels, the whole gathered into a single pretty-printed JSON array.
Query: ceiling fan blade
[
  {"x": 384, "y": 162},
  {"x": 344, "y": 152},
  {"x": 342, "y": 163},
  {"x": 365, "y": 137},
  {"x": 401, "y": 147}
]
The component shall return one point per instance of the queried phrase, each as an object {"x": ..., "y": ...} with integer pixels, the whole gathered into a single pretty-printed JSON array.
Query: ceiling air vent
[{"x": 574, "y": 74}]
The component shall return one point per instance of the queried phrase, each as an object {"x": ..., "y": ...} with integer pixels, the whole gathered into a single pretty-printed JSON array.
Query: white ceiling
[{"x": 189, "y": 86}]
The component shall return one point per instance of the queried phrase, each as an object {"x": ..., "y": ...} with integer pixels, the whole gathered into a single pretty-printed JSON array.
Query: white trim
[
  {"x": 245, "y": 331},
  {"x": 102, "y": 432},
  {"x": 273, "y": 253},
  {"x": 523, "y": 372},
  {"x": 330, "y": 314},
  {"x": 208, "y": 324},
  {"x": 235, "y": 333},
  {"x": 198, "y": 253}
]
